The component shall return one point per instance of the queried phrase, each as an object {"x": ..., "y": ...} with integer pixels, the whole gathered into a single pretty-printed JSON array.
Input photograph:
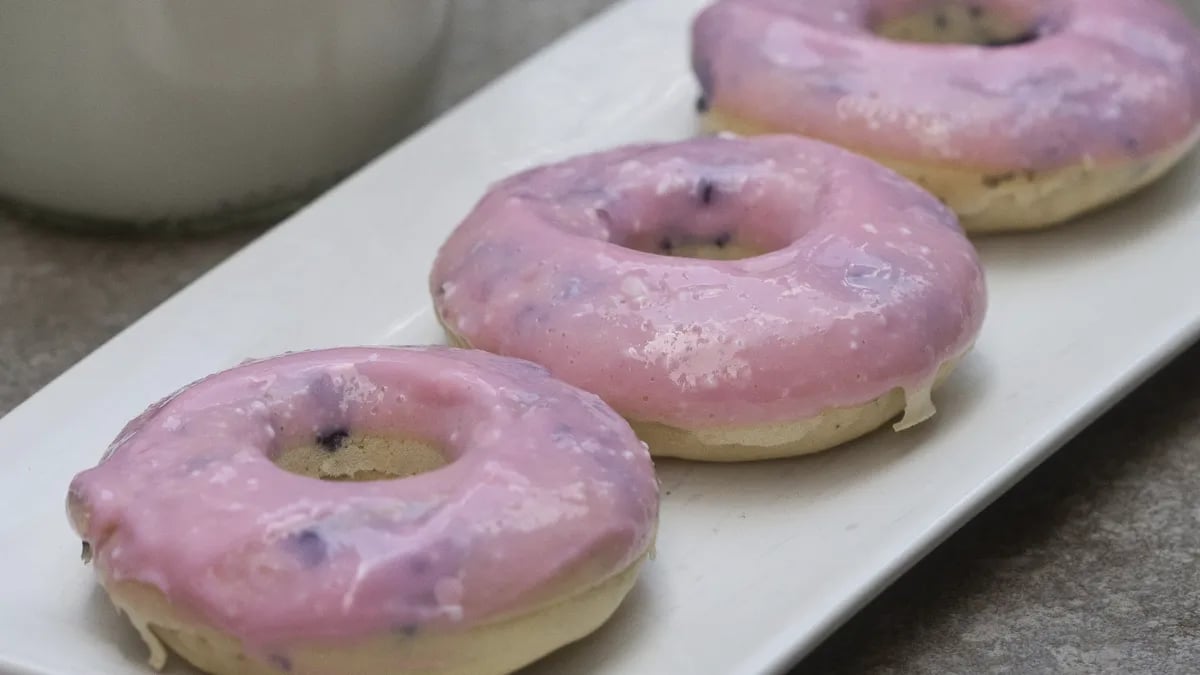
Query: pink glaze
[
  {"x": 1105, "y": 80},
  {"x": 544, "y": 483},
  {"x": 870, "y": 284}
]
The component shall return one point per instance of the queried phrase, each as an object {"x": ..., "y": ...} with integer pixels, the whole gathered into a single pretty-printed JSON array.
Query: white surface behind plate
[{"x": 755, "y": 562}]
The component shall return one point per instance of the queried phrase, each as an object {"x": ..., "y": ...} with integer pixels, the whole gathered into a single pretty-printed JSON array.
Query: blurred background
[{"x": 61, "y": 147}]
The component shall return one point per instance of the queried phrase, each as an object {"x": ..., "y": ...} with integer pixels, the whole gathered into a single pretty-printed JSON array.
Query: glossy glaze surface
[
  {"x": 546, "y": 488},
  {"x": 1097, "y": 80},
  {"x": 867, "y": 282}
]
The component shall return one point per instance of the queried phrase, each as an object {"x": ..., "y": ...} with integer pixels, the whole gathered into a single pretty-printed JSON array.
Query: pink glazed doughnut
[
  {"x": 1016, "y": 113},
  {"x": 845, "y": 293},
  {"x": 534, "y": 508}
]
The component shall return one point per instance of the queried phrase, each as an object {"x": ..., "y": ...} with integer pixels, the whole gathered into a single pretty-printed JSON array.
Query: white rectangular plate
[{"x": 756, "y": 563}]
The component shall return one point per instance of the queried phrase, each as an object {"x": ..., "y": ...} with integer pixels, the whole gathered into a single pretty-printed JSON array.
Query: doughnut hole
[
  {"x": 706, "y": 218},
  {"x": 719, "y": 247},
  {"x": 341, "y": 456},
  {"x": 369, "y": 422},
  {"x": 984, "y": 23}
]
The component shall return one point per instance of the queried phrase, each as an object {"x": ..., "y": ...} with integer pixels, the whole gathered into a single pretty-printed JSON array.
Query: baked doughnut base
[
  {"x": 996, "y": 201},
  {"x": 784, "y": 439},
  {"x": 498, "y": 647},
  {"x": 787, "y": 439}
]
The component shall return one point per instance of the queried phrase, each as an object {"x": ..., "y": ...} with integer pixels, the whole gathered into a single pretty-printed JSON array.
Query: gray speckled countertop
[{"x": 1090, "y": 565}]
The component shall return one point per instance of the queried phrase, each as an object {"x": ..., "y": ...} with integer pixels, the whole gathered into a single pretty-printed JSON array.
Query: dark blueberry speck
[
  {"x": 409, "y": 629},
  {"x": 1020, "y": 39},
  {"x": 995, "y": 180},
  {"x": 940, "y": 21},
  {"x": 281, "y": 662},
  {"x": 419, "y": 564},
  {"x": 563, "y": 435},
  {"x": 665, "y": 245},
  {"x": 309, "y": 547},
  {"x": 1131, "y": 144},
  {"x": 704, "y": 75},
  {"x": 708, "y": 191},
  {"x": 332, "y": 441},
  {"x": 722, "y": 240},
  {"x": 702, "y": 104},
  {"x": 975, "y": 11}
]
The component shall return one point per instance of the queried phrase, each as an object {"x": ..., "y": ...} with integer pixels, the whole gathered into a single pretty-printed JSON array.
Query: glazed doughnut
[
  {"x": 840, "y": 293},
  {"x": 534, "y": 506},
  {"x": 1040, "y": 110}
]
